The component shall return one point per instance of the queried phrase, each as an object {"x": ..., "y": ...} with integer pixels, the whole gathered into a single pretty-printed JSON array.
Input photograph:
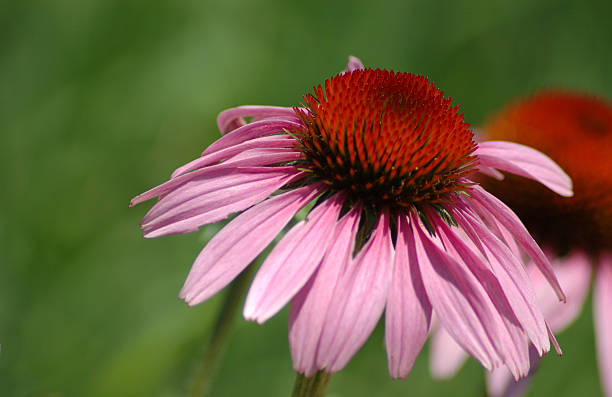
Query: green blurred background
[{"x": 101, "y": 100}]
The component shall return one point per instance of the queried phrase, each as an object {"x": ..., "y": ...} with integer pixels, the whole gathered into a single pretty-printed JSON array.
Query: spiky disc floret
[{"x": 387, "y": 139}]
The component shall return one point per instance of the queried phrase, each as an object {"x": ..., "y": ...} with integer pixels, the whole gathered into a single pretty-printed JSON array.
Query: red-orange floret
[
  {"x": 386, "y": 138},
  {"x": 575, "y": 130}
]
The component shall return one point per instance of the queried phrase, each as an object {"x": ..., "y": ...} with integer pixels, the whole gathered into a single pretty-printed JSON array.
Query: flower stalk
[
  {"x": 210, "y": 356},
  {"x": 314, "y": 386}
]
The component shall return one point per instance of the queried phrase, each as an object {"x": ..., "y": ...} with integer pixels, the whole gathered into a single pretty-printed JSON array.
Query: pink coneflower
[
  {"x": 576, "y": 129},
  {"x": 382, "y": 162}
]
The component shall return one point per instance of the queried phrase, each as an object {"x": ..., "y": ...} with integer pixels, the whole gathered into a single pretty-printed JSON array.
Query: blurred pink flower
[
  {"x": 396, "y": 223},
  {"x": 576, "y": 129}
]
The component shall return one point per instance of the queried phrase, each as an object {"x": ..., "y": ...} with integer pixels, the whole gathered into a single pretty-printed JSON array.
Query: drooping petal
[
  {"x": 525, "y": 161},
  {"x": 227, "y": 119},
  {"x": 553, "y": 340},
  {"x": 509, "y": 339},
  {"x": 240, "y": 241},
  {"x": 492, "y": 172},
  {"x": 358, "y": 301},
  {"x": 208, "y": 173},
  {"x": 574, "y": 274},
  {"x": 196, "y": 203},
  {"x": 292, "y": 261},
  {"x": 274, "y": 141},
  {"x": 513, "y": 280},
  {"x": 496, "y": 227},
  {"x": 456, "y": 298},
  {"x": 259, "y": 157},
  {"x": 508, "y": 219},
  {"x": 408, "y": 311},
  {"x": 501, "y": 384},
  {"x": 446, "y": 356},
  {"x": 602, "y": 312},
  {"x": 248, "y": 158},
  {"x": 354, "y": 63},
  {"x": 254, "y": 130},
  {"x": 309, "y": 307}
]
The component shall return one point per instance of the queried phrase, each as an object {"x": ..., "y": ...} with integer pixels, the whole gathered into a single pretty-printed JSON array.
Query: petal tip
[
  {"x": 354, "y": 63},
  {"x": 190, "y": 296},
  {"x": 248, "y": 312},
  {"x": 192, "y": 301}
]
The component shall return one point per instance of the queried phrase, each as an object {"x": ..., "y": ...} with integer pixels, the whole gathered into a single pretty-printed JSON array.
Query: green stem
[
  {"x": 210, "y": 356},
  {"x": 315, "y": 386}
]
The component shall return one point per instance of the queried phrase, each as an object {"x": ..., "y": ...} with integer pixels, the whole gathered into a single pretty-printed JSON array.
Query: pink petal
[
  {"x": 359, "y": 300},
  {"x": 408, "y": 311},
  {"x": 499, "y": 230},
  {"x": 260, "y": 157},
  {"x": 506, "y": 332},
  {"x": 254, "y": 130},
  {"x": 292, "y": 261},
  {"x": 206, "y": 173},
  {"x": 498, "y": 381},
  {"x": 602, "y": 302},
  {"x": 513, "y": 280},
  {"x": 192, "y": 205},
  {"x": 492, "y": 172},
  {"x": 309, "y": 307},
  {"x": 274, "y": 141},
  {"x": 457, "y": 299},
  {"x": 574, "y": 274},
  {"x": 248, "y": 158},
  {"x": 354, "y": 63},
  {"x": 226, "y": 119},
  {"x": 508, "y": 219},
  {"x": 210, "y": 182},
  {"x": 240, "y": 241},
  {"x": 525, "y": 161},
  {"x": 554, "y": 341},
  {"x": 446, "y": 356},
  {"x": 501, "y": 384}
]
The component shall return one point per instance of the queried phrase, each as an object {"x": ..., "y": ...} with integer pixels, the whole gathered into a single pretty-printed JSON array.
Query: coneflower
[{"x": 383, "y": 162}]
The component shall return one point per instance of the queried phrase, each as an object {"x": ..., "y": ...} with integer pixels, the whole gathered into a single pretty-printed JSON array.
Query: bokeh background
[{"x": 102, "y": 99}]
